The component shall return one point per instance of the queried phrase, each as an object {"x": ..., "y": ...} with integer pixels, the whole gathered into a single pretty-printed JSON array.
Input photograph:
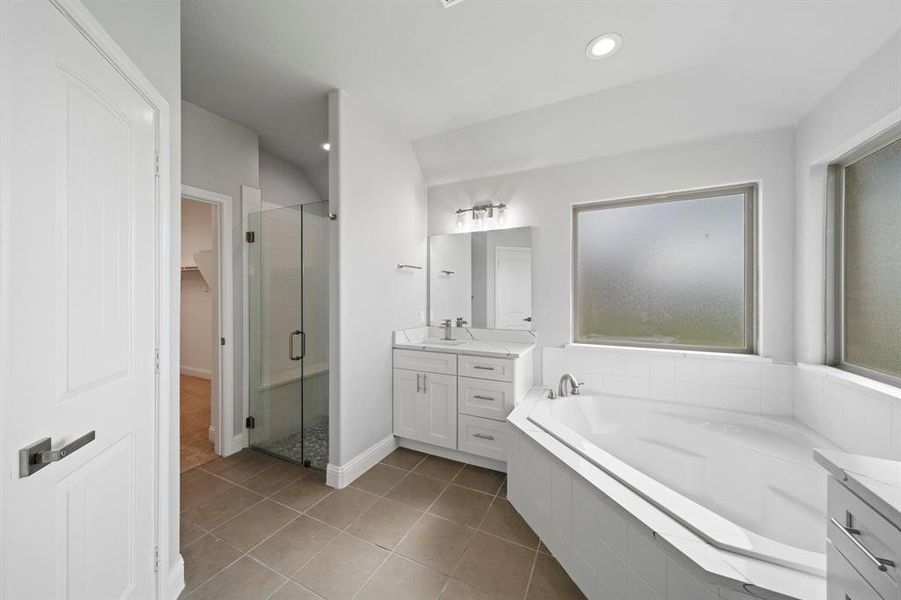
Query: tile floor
[
  {"x": 413, "y": 527},
  {"x": 196, "y": 447}
]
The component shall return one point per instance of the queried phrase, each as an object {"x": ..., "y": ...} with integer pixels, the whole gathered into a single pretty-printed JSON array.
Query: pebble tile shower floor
[
  {"x": 310, "y": 444},
  {"x": 413, "y": 527}
]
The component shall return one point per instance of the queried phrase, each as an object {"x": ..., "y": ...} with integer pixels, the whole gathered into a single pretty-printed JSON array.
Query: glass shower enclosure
[{"x": 288, "y": 303}]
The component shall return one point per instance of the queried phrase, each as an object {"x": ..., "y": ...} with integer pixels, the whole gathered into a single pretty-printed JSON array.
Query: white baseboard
[
  {"x": 450, "y": 453},
  {"x": 211, "y": 434},
  {"x": 194, "y": 372},
  {"x": 342, "y": 476},
  {"x": 176, "y": 582}
]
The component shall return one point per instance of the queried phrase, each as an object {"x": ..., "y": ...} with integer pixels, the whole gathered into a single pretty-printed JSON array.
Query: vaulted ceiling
[{"x": 430, "y": 70}]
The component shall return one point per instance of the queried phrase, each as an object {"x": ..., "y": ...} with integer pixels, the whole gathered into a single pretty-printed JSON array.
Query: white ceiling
[{"x": 429, "y": 70}]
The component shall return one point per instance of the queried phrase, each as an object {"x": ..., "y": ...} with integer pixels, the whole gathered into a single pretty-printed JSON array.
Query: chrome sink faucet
[
  {"x": 447, "y": 324},
  {"x": 564, "y": 390}
]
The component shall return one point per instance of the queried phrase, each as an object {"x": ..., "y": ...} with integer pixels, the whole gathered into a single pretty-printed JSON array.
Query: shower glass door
[{"x": 288, "y": 304}]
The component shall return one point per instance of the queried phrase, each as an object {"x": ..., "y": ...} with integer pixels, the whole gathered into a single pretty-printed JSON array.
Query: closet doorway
[{"x": 205, "y": 380}]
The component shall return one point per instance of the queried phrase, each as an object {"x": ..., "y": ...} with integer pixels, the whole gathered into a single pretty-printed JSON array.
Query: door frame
[
  {"x": 225, "y": 326},
  {"x": 169, "y": 569}
]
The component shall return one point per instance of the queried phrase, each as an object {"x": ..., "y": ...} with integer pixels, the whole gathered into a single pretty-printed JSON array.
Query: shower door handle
[{"x": 303, "y": 344}]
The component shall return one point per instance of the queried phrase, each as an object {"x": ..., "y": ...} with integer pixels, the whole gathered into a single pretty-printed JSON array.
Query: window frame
[
  {"x": 751, "y": 265},
  {"x": 835, "y": 258}
]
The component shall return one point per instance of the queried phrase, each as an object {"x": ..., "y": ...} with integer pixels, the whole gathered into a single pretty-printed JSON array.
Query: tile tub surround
[
  {"x": 733, "y": 381},
  {"x": 616, "y": 545},
  {"x": 414, "y": 526},
  {"x": 860, "y": 415}
]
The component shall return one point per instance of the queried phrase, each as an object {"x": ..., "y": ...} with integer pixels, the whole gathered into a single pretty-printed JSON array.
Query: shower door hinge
[
  {"x": 156, "y": 360},
  {"x": 221, "y": 341},
  {"x": 156, "y": 165},
  {"x": 250, "y": 422},
  {"x": 156, "y": 559},
  {"x": 249, "y": 236}
]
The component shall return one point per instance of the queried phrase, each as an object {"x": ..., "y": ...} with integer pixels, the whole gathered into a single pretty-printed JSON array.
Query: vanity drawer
[
  {"x": 844, "y": 583},
  {"x": 483, "y": 437},
  {"x": 498, "y": 369},
  {"x": 867, "y": 540},
  {"x": 430, "y": 362},
  {"x": 484, "y": 397}
]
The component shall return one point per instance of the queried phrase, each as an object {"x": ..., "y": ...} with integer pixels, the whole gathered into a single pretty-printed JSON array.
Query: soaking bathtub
[{"x": 743, "y": 483}]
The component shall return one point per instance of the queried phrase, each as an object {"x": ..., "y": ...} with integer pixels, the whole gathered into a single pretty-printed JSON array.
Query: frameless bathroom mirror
[{"x": 485, "y": 277}]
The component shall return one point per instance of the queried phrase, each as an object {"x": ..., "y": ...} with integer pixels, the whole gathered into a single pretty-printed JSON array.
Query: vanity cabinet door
[
  {"x": 406, "y": 398},
  {"x": 425, "y": 407},
  {"x": 440, "y": 414}
]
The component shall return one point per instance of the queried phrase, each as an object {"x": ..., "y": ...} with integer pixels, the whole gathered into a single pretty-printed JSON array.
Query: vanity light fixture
[
  {"x": 325, "y": 146},
  {"x": 482, "y": 210},
  {"x": 603, "y": 46}
]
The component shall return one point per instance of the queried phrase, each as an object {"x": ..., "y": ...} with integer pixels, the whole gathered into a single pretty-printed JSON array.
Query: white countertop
[
  {"x": 876, "y": 480},
  {"x": 493, "y": 348}
]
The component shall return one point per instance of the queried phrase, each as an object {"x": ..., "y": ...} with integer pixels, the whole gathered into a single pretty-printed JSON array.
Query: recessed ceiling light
[
  {"x": 326, "y": 146},
  {"x": 603, "y": 45}
]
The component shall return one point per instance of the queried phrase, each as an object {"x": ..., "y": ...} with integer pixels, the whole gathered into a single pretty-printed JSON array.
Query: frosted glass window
[
  {"x": 871, "y": 294},
  {"x": 672, "y": 272}
]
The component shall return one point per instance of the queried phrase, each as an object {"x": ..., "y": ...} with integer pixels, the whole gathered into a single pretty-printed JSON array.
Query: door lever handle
[{"x": 36, "y": 456}]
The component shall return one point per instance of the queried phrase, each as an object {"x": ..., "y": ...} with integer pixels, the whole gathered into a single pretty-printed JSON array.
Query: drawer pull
[
  {"x": 881, "y": 563},
  {"x": 479, "y": 397},
  {"x": 483, "y": 436},
  {"x": 483, "y": 368}
]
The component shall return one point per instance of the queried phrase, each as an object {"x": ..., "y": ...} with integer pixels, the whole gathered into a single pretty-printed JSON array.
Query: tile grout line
[{"x": 389, "y": 552}]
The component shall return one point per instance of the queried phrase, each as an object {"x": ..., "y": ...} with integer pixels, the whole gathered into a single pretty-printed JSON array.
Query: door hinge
[
  {"x": 156, "y": 559},
  {"x": 156, "y": 165},
  {"x": 250, "y": 422},
  {"x": 221, "y": 341},
  {"x": 156, "y": 360},
  {"x": 249, "y": 236}
]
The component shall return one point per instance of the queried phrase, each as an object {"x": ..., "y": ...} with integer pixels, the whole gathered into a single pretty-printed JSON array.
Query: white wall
[
  {"x": 380, "y": 198},
  {"x": 543, "y": 199},
  {"x": 197, "y": 226},
  {"x": 859, "y": 415},
  {"x": 868, "y": 101},
  {"x": 150, "y": 34},
  {"x": 284, "y": 183},
  {"x": 221, "y": 156}
]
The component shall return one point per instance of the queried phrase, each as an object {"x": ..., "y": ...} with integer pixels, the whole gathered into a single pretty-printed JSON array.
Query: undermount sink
[{"x": 442, "y": 342}]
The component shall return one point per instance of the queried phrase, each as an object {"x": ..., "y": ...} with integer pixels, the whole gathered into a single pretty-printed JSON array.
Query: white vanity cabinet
[
  {"x": 458, "y": 401},
  {"x": 863, "y": 528}
]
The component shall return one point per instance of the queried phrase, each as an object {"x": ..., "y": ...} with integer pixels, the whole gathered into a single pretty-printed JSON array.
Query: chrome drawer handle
[
  {"x": 483, "y": 436},
  {"x": 880, "y": 563},
  {"x": 488, "y": 398},
  {"x": 483, "y": 368}
]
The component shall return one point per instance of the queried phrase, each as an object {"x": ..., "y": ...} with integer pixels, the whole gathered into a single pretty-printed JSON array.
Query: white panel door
[
  {"x": 513, "y": 288},
  {"x": 78, "y": 206},
  {"x": 437, "y": 411}
]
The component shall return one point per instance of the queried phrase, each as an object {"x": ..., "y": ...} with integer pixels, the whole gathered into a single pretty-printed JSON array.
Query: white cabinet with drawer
[
  {"x": 866, "y": 540},
  {"x": 458, "y": 401},
  {"x": 863, "y": 527}
]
